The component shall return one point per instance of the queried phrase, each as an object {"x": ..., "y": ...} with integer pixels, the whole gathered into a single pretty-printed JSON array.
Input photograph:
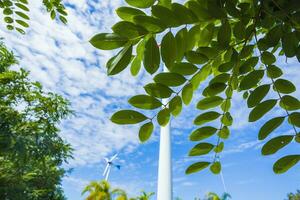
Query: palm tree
[
  {"x": 295, "y": 196},
  {"x": 102, "y": 191},
  {"x": 145, "y": 196},
  {"x": 214, "y": 196}
]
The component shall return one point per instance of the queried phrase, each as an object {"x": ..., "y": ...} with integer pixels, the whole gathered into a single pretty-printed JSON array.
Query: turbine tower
[
  {"x": 109, "y": 164},
  {"x": 164, "y": 185}
]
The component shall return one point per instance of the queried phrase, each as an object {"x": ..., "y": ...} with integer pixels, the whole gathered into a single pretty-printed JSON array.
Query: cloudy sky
[{"x": 61, "y": 58}]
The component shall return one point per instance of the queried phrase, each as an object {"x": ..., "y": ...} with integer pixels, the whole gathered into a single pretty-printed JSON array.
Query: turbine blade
[
  {"x": 106, "y": 168},
  {"x": 107, "y": 173},
  {"x": 106, "y": 159},
  {"x": 114, "y": 157}
]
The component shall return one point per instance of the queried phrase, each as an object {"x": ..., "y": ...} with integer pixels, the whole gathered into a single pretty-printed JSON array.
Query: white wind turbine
[{"x": 109, "y": 164}]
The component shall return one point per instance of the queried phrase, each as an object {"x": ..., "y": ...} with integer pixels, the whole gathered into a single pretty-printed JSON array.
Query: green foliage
[
  {"x": 16, "y": 12},
  {"x": 294, "y": 196},
  {"x": 102, "y": 191},
  {"x": 230, "y": 45},
  {"x": 31, "y": 151}
]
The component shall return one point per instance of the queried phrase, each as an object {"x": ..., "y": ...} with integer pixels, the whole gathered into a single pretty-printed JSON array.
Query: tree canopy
[
  {"x": 31, "y": 149},
  {"x": 234, "y": 44}
]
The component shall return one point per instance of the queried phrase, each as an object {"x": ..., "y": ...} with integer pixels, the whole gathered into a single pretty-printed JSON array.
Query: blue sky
[{"x": 61, "y": 58}]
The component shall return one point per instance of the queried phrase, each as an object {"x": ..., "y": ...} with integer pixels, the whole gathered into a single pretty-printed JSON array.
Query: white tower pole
[{"x": 164, "y": 186}]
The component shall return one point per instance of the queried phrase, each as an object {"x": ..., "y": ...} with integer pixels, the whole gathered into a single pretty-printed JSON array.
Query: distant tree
[
  {"x": 31, "y": 150},
  {"x": 294, "y": 196},
  {"x": 16, "y": 17}
]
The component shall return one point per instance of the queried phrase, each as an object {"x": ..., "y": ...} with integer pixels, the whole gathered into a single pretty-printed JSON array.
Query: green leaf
[
  {"x": 146, "y": 131},
  {"x": 206, "y": 117},
  {"x": 294, "y": 119},
  {"x": 140, "y": 4},
  {"x": 135, "y": 66},
  {"x": 251, "y": 79},
  {"x": 206, "y": 35},
  {"x": 145, "y": 102},
  {"x": 246, "y": 51},
  {"x": 268, "y": 58},
  {"x": 128, "y": 29},
  {"x": 224, "y": 34},
  {"x": 128, "y": 13},
  {"x": 183, "y": 14},
  {"x": 225, "y": 67},
  {"x": 289, "y": 44},
  {"x": 23, "y": 15},
  {"x": 216, "y": 10},
  {"x": 22, "y": 23},
  {"x": 248, "y": 65},
  {"x": 261, "y": 109},
  {"x": 128, "y": 117},
  {"x": 227, "y": 119},
  {"x": 224, "y": 133},
  {"x": 7, "y": 11},
  {"x": 151, "y": 24},
  {"x": 239, "y": 30},
  {"x": 120, "y": 61},
  {"x": 168, "y": 50},
  {"x": 175, "y": 106},
  {"x": 274, "y": 72},
  {"x": 199, "y": 10},
  {"x": 215, "y": 168},
  {"x": 214, "y": 89},
  {"x": 273, "y": 36},
  {"x": 226, "y": 105},
  {"x": 108, "y": 41},
  {"x": 289, "y": 103},
  {"x": 219, "y": 148},
  {"x": 8, "y": 20},
  {"x": 285, "y": 163},
  {"x": 202, "y": 133},
  {"x": 158, "y": 90},
  {"x": 163, "y": 117},
  {"x": 181, "y": 38},
  {"x": 151, "y": 56},
  {"x": 63, "y": 19},
  {"x": 257, "y": 95},
  {"x": 201, "y": 149},
  {"x": 166, "y": 3},
  {"x": 269, "y": 127},
  {"x": 196, "y": 167},
  {"x": 22, "y": 6},
  {"x": 167, "y": 16},
  {"x": 196, "y": 57},
  {"x": 275, "y": 144},
  {"x": 284, "y": 86},
  {"x": 170, "y": 79},
  {"x": 209, "y": 102},
  {"x": 184, "y": 68},
  {"x": 210, "y": 52},
  {"x": 221, "y": 78},
  {"x": 200, "y": 76},
  {"x": 187, "y": 94}
]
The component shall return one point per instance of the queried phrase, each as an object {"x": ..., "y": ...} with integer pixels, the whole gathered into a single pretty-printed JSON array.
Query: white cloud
[{"x": 61, "y": 58}]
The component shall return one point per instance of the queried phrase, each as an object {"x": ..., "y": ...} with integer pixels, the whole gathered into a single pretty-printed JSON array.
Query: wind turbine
[
  {"x": 164, "y": 185},
  {"x": 109, "y": 164}
]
